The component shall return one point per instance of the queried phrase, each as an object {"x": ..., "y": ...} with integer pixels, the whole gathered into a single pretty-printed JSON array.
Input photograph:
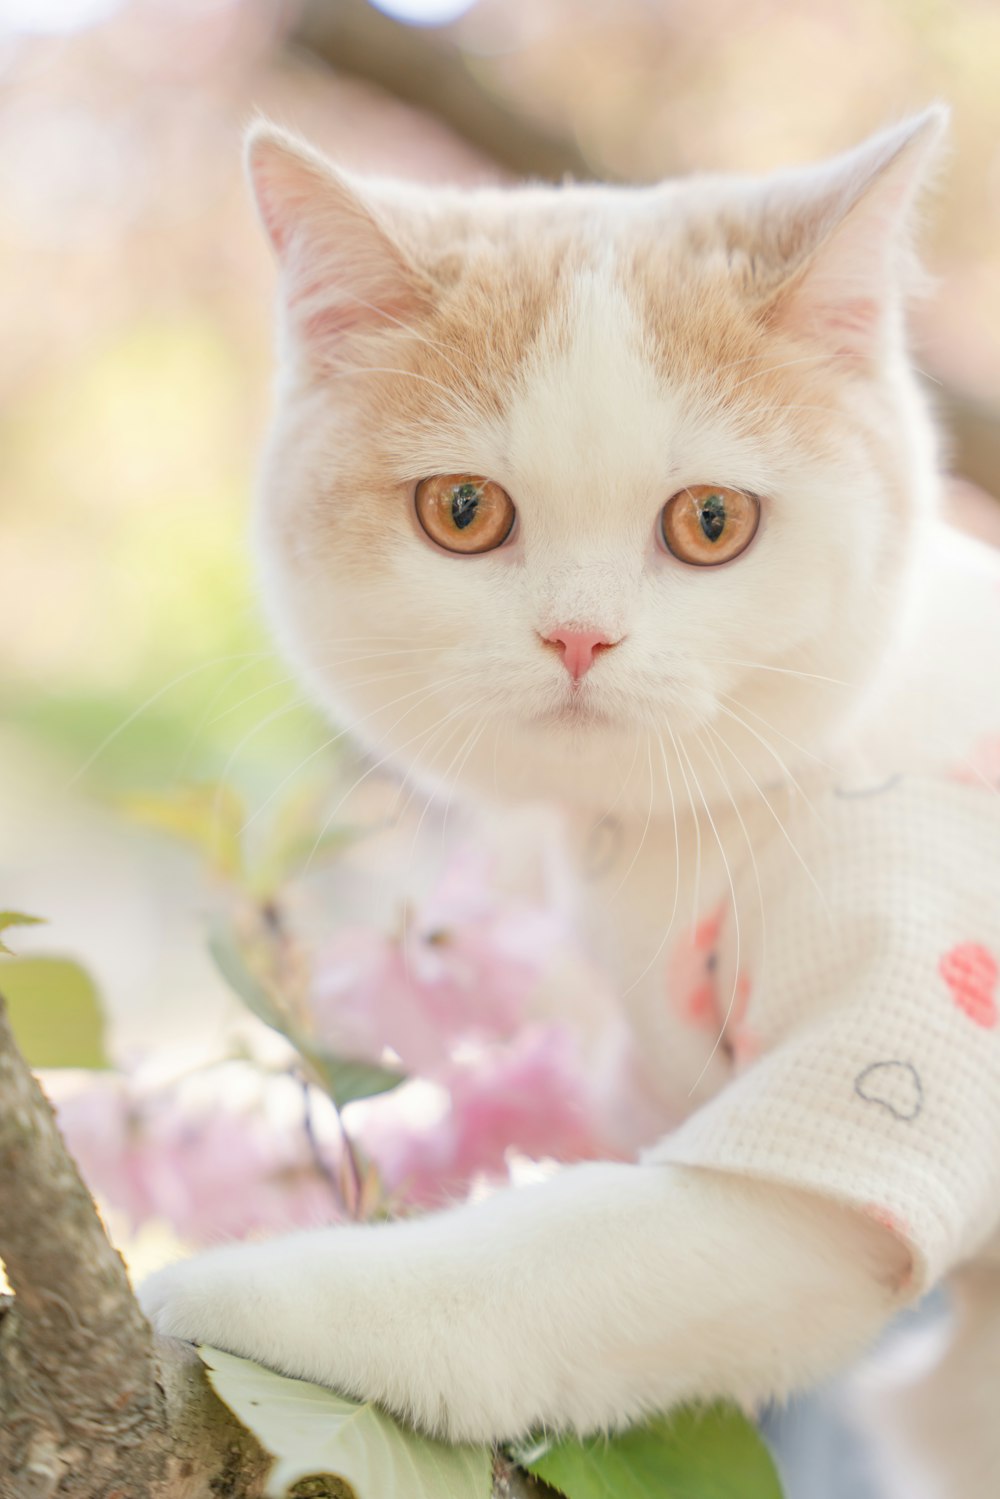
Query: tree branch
[
  {"x": 424, "y": 68},
  {"x": 91, "y": 1406},
  {"x": 74, "y": 1310}
]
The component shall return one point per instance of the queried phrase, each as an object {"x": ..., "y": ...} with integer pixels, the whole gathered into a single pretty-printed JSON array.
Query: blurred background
[{"x": 135, "y": 300}]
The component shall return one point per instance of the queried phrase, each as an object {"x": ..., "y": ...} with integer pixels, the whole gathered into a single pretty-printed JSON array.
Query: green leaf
[
  {"x": 707, "y": 1453},
  {"x": 314, "y": 1434},
  {"x": 16, "y": 918},
  {"x": 345, "y": 1080},
  {"x": 55, "y": 1013},
  {"x": 225, "y": 949}
]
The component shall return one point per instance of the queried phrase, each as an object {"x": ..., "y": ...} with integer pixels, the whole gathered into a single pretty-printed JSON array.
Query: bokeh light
[{"x": 424, "y": 12}]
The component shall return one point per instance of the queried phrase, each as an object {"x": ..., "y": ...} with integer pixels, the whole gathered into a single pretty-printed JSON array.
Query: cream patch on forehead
[{"x": 589, "y": 417}]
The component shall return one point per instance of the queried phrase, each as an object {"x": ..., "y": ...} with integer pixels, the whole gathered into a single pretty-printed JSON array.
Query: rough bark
[
  {"x": 425, "y": 68},
  {"x": 91, "y": 1405}
]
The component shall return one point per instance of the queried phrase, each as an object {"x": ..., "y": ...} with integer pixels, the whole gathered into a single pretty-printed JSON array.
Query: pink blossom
[
  {"x": 211, "y": 1173},
  {"x": 458, "y": 995},
  {"x": 454, "y": 997},
  {"x": 528, "y": 1094},
  {"x": 462, "y": 970}
]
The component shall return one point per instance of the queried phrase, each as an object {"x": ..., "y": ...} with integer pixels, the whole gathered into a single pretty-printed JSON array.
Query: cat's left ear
[
  {"x": 342, "y": 271},
  {"x": 847, "y": 230}
]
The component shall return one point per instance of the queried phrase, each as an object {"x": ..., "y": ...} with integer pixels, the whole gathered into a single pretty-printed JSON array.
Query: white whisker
[
  {"x": 432, "y": 343},
  {"x": 204, "y": 720},
  {"x": 677, "y": 879},
  {"x": 453, "y": 778},
  {"x": 245, "y": 739},
  {"x": 761, "y": 977},
  {"x": 454, "y": 717},
  {"x": 379, "y": 763},
  {"x": 250, "y": 698},
  {"x": 427, "y": 691},
  {"x": 801, "y": 748},
  {"x": 287, "y": 708},
  {"x": 784, "y": 831},
  {"x": 786, "y": 671},
  {"x": 786, "y": 364},
  {"x": 649, "y": 817},
  {"x": 778, "y": 761},
  {"x": 736, "y": 921},
  {"x": 396, "y": 815},
  {"x": 470, "y": 737},
  {"x": 155, "y": 697},
  {"x": 696, "y": 907},
  {"x": 823, "y": 357}
]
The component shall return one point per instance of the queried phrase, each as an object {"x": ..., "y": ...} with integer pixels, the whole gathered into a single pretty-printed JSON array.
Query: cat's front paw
[{"x": 183, "y": 1301}]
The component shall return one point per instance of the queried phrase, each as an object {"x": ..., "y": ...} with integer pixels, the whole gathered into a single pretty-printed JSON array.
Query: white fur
[{"x": 609, "y": 1292}]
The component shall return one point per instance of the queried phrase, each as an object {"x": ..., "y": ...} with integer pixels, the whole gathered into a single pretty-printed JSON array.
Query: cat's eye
[
  {"x": 708, "y": 524},
  {"x": 464, "y": 513}
]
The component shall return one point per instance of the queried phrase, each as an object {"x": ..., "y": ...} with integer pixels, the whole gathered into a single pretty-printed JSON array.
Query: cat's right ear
[{"x": 341, "y": 270}]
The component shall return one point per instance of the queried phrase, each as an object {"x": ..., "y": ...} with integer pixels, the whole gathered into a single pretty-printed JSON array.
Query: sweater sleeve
[{"x": 863, "y": 972}]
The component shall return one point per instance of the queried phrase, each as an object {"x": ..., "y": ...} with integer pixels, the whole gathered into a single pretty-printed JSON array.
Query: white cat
[{"x": 646, "y": 477}]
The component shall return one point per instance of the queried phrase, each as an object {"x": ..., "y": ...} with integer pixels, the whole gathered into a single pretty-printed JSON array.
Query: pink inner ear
[
  {"x": 850, "y": 327},
  {"x": 284, "y": 189},
  {"x": 341, "y": 269},
  {"x": 843, "y": 296},
  {"x": 830, "y": 306},
  {"x": 335, "y": 286},
  {"x": 269, "y": 212},
  {"x": 856, "y": 216},
  {"x": 327, "y": 324}
]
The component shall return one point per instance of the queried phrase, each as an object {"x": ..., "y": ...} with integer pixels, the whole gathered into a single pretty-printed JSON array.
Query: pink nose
[{"x": 579, "y": 647}]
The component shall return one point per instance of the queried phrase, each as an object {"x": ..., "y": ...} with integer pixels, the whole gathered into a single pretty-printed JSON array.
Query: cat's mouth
[{"x": 573, "y": 712}]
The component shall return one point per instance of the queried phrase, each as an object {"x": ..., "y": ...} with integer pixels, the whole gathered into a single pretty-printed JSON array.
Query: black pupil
[
  {"x": 713, "y": 516},
  {"x": 464, "y": 504}
]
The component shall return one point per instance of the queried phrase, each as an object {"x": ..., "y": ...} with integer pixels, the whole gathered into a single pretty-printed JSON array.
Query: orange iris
[
  {"x": 708, "y": 524},
  {"x": 464, "y": 513}
]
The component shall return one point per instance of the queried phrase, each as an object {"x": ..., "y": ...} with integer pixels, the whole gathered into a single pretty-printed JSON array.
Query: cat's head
[{"x": 586, "y": 488}]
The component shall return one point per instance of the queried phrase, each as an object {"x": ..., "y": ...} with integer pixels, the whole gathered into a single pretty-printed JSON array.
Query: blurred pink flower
[
  {"x": 528, "y": 1094},
  {"x": 462, "y": 971},
  {"x": 458, "y": 996},
  {"x": 212, "y": 1174}
]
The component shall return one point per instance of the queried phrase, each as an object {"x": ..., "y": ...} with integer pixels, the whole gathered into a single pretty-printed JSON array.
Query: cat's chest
[{"x": 651, "y": 902}]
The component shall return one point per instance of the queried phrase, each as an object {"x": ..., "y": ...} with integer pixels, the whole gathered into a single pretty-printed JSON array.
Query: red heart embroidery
[{"x": 971, "y": 973}]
